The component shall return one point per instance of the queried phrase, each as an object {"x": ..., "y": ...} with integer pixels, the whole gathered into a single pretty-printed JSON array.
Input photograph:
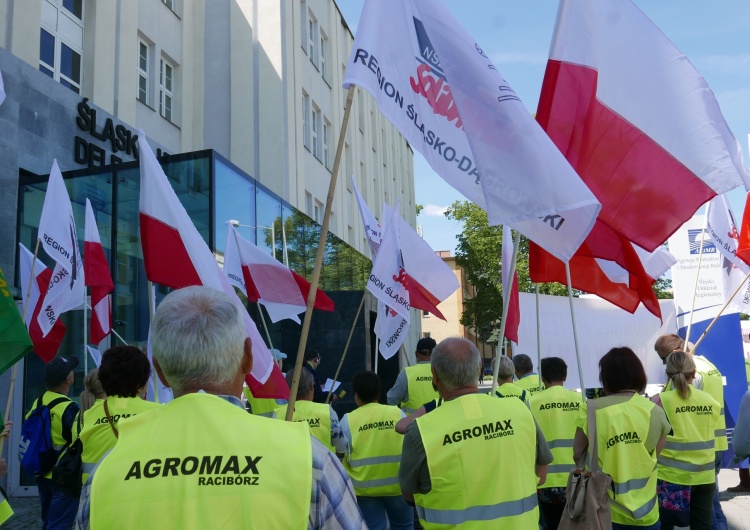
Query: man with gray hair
[
  {"x": 506, "y": 388},
  {"x": 526, "y": 378},
  {"x": 201, "y": 461},
  {"x": 472, "y": 431}
]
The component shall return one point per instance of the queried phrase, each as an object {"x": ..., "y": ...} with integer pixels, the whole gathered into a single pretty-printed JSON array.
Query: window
[
  {"x": 316, "y": 133},
  {"x": 323, "y": 55},
  {"x": 326, "y": 139},
  {"x": 166, "y": 97},
  {"x": 143, "y": 71},
  {"x": 306, "y": 120},
  {"x": 303, "y": 24},
  {"x": 61, "y": 42},
  {"x": 169, "y": 4},
  {"x": 308, "y": 204},
  {"x": 312, "y": 38},
  {"x": 318, "y": 214}
]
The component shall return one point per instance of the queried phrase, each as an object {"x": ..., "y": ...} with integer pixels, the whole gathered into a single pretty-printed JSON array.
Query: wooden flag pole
[
  {"x": 319, "y": 257},
  {"x": 406, "y": 357},
  {"x": 575, "y": 331},
  {"x": 506, "y": 303},
  {"x": 346, "y": 348},
  {"x": 538, "y": 339},
  {"x": 15, "y": 366},
  {"x": 695, "y": 346},
  {"x": 697, "y": 277}
]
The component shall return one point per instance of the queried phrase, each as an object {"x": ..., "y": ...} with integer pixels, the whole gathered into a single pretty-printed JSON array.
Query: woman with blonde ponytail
[
  {"x": 92, "y": 390},
  {"x": 685, "y": 469}
]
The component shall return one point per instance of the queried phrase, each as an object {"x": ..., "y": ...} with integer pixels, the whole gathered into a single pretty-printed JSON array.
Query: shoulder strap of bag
[
  {"x": 109, "y": 418},
  {"x": 593, "y": 442},
  {"x": 55, "y": 402}
]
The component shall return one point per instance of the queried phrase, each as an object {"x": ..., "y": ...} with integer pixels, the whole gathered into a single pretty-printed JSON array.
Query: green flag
[{"x": 14, "y": 338}]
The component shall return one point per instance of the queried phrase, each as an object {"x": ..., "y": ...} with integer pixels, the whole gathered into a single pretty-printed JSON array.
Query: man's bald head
[{"x": 457, "y": 363}]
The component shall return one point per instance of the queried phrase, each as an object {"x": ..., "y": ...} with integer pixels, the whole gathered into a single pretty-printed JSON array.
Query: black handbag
[{"x": 68, "y": 470}]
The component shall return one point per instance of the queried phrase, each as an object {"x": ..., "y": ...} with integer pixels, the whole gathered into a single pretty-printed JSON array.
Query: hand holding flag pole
[
  {"x": 506, "y": 303},
  {"x": 319, "y": 257}
]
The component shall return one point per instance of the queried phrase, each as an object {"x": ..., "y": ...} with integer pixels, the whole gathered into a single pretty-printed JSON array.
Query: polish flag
[
  {"x": 175, "y": 255},
  {"x": 45, "y": 346},
  {"x": 635, "y": 119},
  {"x": 510, "y": 288},
  {"x": 743, "y": 245},
  {"x": 265, "y": 280},
  {"x": 98, "y": 278},
  {"x": 59, "y": 238}
]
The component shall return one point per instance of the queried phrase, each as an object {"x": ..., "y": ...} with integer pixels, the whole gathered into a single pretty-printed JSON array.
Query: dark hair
[
  {"x": 554, "y": 369},
  {"x": 666, "y": 344},
  {"x": 367, "y": 386},
  {"x": 311, "y": 354},
  {"x": 123, "y": 371},
  {"x": 523, "y": 363},
  {"x": 621, "y": 369}
]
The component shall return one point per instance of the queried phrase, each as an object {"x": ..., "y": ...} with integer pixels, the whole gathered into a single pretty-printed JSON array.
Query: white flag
[
  {"x": 372, "y": 227},
  {"x": 57, "y": 232},
  {"x": 388, "y": 277},
  {"x": 724, "y": 234},
  {"x": 445, "y": 96}
]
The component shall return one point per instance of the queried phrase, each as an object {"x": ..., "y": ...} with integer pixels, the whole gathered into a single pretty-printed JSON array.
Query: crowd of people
[{"x": 441, "y": 453}]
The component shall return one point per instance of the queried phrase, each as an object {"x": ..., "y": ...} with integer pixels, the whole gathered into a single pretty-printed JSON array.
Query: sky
[{"x": 715, "y": 36}]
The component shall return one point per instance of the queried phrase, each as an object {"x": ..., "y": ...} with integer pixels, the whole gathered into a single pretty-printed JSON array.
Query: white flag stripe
[
  {"x": 392, "y": 330},
  {"x": 25, "y": 259},
  {"x": 373, "y": 232},
  {"x": 57, "y": 232},
  {"x": 387, "y": 269},
  {"x": 96, "y": 355},
  {"x": 464, "y": 118}
]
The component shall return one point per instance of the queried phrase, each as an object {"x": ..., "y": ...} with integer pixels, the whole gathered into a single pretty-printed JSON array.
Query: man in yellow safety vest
[
  {"x": 201, "y": 461},
  {"x": 471, "y": 431},
  {"x": 413, "y": 387},
  {"x": 526, "y": 377}
]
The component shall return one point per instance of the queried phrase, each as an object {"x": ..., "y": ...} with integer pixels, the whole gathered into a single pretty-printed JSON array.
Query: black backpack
[{"x": 68, "y": 470}]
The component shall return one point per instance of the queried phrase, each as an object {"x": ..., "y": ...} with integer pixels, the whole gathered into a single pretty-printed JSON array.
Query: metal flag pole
[
  {"x": 726, "y": 304},
  {"x": 85, "y": 332},
  {"x": 111, "y": 330},
  {"x": 319, "y": 257},
  {"x": 151, "y": 312},
  {"x": 506, "y": 303},
  {"x": 697, "y": 277},
  {"x": 575, "y": 330},
  {"x": 265, "y": 326},
  {"x": 15, "y": 366},
  {"x": 377, "y": 354},
  {"x": 538, "y": 338},
  {"x": 346, "y": 347}
]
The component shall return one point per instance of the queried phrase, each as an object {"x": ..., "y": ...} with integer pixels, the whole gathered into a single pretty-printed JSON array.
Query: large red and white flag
[
  {"x": 635, "y": 119},
  {"x": 432, "y": 80},
  {"x": 388, "y": 279},
  {"x": 45, "y": 346},
  {"x": 510, "y": 288},
  {"x": 98, "y": 278},
  {"x": 59, "y": 238},
  {"x": 175, "y": 255},
  {"x": 265, "y": 280}
]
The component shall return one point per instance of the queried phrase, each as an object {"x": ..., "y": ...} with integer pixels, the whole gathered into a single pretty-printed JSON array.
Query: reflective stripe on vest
[
  {"x": 201, "y": 462},
  {"x": 260, "y": 406},
  {"x": 555, "y": 411},
  {"x": 622, "y": 430},
  {"x": 375, "y": 453},
  {"x": 418, "y": 387},
  {"x": 472, "y": 432},
  {"x": 689, "y": 454},
  {"x": 316, "y": 415},
  {"x": 507, "y": 390},
  {"x": 713, "y": 384},
  {"x": 97, "y": 436}
]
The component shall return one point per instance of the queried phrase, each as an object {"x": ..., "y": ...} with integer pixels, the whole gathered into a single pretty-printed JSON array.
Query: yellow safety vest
[
  {"x": 201, "y": 462},
  {"x": 688, "y": 456},
  {"x": 621, "y": 433},
  {"x": 529, "y": 383},
  {"x": 713, "y": 383},
  {"x": 555, "y": 411},
  {"x": 477, "y": 433},
  {"x": 5, "y": 510},
  {"x": 260, "y": 406},
  {"x": 507, "y": 390},
  {"x": 97, "y": 436},
  {"x": 747, "y": 372},
  {"x": 316, "y": 415},
  {"x": 419, "y": 387},
  {"x": 376, "y": 450},
  {"x": 58, "y": 440}
]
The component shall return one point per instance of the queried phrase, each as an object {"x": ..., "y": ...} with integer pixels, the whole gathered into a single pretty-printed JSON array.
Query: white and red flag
[
  {"x": 45, "y": 346},
  {"x": 510, "y": 288},
  {"x": 57, "y": 232},
  {"x": 635, "y": 119},
  {"x": 98, "y": 278},
  {"x": 437, "y": 86},
  {"x": 175, "y": 255},
  {"x": 265, "y": 280},
  {"x": 388, "y": 278}
]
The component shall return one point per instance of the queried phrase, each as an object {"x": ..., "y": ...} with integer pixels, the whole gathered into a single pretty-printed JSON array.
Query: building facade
[{"x": 242, "y": 99}]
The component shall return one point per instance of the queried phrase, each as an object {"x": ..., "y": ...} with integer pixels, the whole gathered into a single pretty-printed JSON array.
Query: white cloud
[{"x": 434, "y": 210}]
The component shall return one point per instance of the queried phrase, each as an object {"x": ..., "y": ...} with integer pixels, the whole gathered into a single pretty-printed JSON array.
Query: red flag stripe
[
  {"x": 322, "y": 300},
  {"x": 45, "y": 346},
  {"x": 165, "y": 257}
]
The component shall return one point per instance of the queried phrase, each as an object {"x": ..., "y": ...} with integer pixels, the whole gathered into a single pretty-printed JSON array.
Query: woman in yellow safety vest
[
  {"x": 630, "y": 432},
  {"x": 686, "y": 464}
]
